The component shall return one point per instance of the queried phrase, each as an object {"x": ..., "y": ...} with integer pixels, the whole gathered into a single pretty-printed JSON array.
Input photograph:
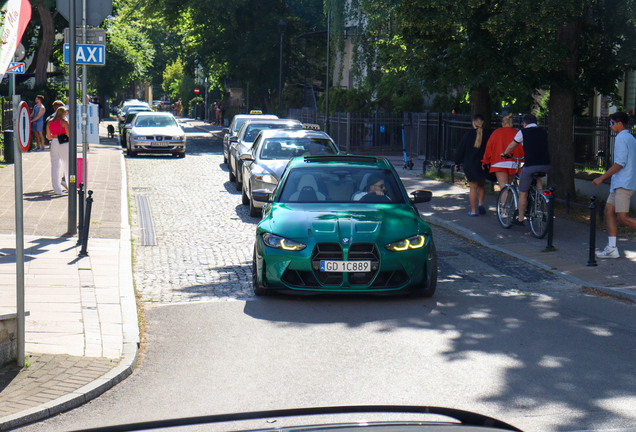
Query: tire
[
  {"x": 245, "y": 199},
  {"x": 538, "y": 217},
  {"x": 506, "y": 210},
  {"x": 232, "y": 178},
  {"x": 428, "y": 291},
  {"x": 182, "y": 155},
  {"x": 258, "y": 289},
  {"x": 239, "y": 181},
  {"x": 254, "y": 212}
]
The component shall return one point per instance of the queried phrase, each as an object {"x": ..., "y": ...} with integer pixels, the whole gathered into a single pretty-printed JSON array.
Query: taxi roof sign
[
  {"x": 256, "y": 112},
  {"x": 311, "y": 126}
]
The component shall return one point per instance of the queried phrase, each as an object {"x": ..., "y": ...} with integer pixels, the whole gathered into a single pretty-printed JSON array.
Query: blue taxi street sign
[
  {"x": 16, "y": 68},
  {"x": 87, "y": 54}
]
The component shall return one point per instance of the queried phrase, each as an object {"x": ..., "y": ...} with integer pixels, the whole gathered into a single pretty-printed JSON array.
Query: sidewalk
[
  {"x": 82, "y": 332},
  {"x": 449, "y": 210}
]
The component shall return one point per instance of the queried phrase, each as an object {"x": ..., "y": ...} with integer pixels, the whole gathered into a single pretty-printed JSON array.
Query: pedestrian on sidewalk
[
  {"x": 503, "y": 169},
  {"x": 537, "y": 159},
  {"x": 219, "y": 113},
  {"x": 59, "y": 150},
  {"x": 37, "y": 122},
  {"x": 623, "y": 185},
  {"x": 470, "y": 153}
]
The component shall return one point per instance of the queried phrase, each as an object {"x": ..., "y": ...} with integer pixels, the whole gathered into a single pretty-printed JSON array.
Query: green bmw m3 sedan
[{"x": 343, "y": 224}]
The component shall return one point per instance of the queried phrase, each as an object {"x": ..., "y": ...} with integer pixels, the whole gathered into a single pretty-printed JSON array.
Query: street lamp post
[{"x": 281, "y": 30}]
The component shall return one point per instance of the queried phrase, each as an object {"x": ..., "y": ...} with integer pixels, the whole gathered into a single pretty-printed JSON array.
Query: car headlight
[
  {"x": 266, "y": 178},
  {"x": 178, "y": 138},
  {"x": 278, "y": 242},
  {"x": 414, "y": 242}
]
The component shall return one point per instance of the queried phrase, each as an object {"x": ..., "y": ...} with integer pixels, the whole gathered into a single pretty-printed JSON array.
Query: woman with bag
[
  {"x": 469, "y": 154},
  {"x": 57, "y": 131}
]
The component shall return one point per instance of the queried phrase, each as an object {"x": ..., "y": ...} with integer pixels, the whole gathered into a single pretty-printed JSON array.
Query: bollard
[
  {"x": 567, "y": 203},
  {"x": 550, "y": 227},
  {"x": 87, "y": 223},
  {"x": 80, "y": 225},
  {"x": 592, "y": 259},
  {"x": 424, "y": 167}
]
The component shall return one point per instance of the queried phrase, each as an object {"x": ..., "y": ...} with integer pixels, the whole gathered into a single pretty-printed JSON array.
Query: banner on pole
[
  {"x": 93, "y": 123},
  {"x": 14, "y": 17}
]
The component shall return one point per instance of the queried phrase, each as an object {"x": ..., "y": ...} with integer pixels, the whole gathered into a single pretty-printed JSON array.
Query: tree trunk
[
  {"x": 561, "y": 140},
  {"x": 480, "y": 104},
  {"x": 561, "y": 115},
  {"x": 48, "y": 37}
]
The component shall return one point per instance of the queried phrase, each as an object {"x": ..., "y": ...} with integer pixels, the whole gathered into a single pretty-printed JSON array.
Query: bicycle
[{"x": 536, "y": 210}]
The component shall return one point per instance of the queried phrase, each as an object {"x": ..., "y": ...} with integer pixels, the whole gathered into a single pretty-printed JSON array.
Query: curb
[
  {"x": 620, "y": 293},
  {"x": 130, "y": 328}
]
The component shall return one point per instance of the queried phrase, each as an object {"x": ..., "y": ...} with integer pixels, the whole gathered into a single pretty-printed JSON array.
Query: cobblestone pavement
[
  {"x": 47, "y": 378},
  {"x": 205, "y": 238}
]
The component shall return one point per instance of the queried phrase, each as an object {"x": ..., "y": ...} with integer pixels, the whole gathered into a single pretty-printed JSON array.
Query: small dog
[{"x": 111, "y": 131}]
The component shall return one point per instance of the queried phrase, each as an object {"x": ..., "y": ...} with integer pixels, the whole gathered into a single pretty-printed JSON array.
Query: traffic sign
[
  {"x": 196, "y": 90},
  {"x": 24, "y": 126},
  {"x": 16, "y": 68},
  {"x": 94, "y": 36},
  {"x": 87, "y": 54},
  {"x": 96, "y": 11}
]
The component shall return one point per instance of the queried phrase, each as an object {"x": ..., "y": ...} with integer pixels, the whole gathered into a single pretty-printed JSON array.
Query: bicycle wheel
[
  {"x": 506, "y": 206},
  {"x": 538, "y": 217}
]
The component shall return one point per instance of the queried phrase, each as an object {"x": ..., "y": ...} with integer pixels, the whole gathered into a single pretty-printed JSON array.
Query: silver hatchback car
[{"x": 272, "y": 150}]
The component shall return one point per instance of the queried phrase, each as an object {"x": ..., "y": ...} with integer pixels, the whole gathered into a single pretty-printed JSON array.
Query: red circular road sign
[
  {"x": 24, "y": 126},
  {"x": 196, "y": 90}
]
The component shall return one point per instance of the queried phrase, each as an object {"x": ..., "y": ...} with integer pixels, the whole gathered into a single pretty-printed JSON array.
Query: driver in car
[{"x": 375, "y": 185}]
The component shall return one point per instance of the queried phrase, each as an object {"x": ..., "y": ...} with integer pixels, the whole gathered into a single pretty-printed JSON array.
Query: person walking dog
[{"x": 623, "y": 174}]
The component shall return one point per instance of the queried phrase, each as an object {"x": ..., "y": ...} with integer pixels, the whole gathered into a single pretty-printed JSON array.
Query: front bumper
[
  {"x": 395, "y": 272},
  {"x": 166, "y": 147}
]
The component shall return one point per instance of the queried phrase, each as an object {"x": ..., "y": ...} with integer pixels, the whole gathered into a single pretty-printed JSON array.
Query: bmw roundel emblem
[{"x": 345, "y": 240}]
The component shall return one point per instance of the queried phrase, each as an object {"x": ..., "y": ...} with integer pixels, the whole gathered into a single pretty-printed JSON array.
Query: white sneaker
[{"x": 608, "y": 252}]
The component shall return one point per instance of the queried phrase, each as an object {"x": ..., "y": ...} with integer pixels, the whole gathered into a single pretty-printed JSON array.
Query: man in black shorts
[{"x": 537, "y": 159}]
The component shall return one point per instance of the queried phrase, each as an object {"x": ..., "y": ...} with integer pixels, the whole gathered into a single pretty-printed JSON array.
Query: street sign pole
[
  {"x": 72, "y": 104},
  {"x": 19, "y": 229},
  {"x": 84, "y": 110}
]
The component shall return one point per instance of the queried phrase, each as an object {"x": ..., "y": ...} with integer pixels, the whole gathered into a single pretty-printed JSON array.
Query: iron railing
[{"x": 434, "y": 136}]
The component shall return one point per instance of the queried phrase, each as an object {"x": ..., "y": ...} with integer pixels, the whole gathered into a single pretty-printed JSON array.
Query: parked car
[
  {"x": 272, "y": 150},
  {"x": 343, "y": 224},
  {"x": 125, "y": 126},
  {"x": 143, "y": 106},
  {"x": 155, "y": 132},
  {"x": 236, "y": 124},
  {"x": 244, "y": 139}
]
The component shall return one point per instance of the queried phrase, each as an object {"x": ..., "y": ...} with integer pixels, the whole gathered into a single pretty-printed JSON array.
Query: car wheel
[
  {"x": 130, "y": 151},
  {"x": 182, "y": 155},
  {"x": 254, "y": 212},
  {"x": 428, "y": 291},
  {"x": 258, "y": 289},
  {"x": 239, "y": 183},
  {"x": 224, "y": 159},
  {"x": 245, "y": 199},
  {"x": 229, "y": 168}
]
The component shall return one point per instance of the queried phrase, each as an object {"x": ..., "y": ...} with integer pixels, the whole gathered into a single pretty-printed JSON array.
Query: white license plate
[
  {"x": 345, "y": 266},
  {"x": 160, "y": 144}
]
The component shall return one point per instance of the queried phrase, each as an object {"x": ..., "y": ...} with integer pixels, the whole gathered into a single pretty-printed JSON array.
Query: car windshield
[
  {"x": 341, "y": 185},
  {"x": 252, "y": 130},
  {"x": 287, "y": 148},
  {"x": 155, "y": 121}
]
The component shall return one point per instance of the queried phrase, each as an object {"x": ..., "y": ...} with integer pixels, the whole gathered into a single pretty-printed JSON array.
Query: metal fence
[{"x": 434, "y": 136}]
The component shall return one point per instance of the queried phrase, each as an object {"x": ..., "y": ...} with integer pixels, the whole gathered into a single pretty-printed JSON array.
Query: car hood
[
  {"x": 165, "y": 130},
  {"x": 274, "y": 167},
  {"x": 356, "y": 222}
]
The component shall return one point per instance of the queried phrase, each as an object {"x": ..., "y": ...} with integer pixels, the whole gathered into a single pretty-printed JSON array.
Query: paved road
[{"x": 500, "y": 337}]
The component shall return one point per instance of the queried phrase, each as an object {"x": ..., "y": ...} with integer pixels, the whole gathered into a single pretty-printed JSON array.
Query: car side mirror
[
  {"x": 421, "y": 196},
  {"x": 246, "y": 157},
  {"x": 225, "y": 130},
  {"x": 262, "y": 195},
  {"x": 233, "y": 139}
]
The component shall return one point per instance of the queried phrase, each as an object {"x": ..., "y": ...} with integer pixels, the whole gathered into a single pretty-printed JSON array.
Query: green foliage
[
  {"x": 458, "y": 102},
  {"x": 129, "y": 54},
  {"x": 172, "y": 79},
  {"x": 343, "y": 100},
  {"x": 196, "y": 101}
]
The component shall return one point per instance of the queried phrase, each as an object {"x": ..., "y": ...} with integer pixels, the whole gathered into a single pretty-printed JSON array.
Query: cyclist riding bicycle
[{"x": 537, "y": 159}]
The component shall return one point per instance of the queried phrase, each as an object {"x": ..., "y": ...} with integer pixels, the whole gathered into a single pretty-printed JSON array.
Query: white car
[
  {"x": 237, "y": 122},
  {"x": 155, "y": 132}
]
